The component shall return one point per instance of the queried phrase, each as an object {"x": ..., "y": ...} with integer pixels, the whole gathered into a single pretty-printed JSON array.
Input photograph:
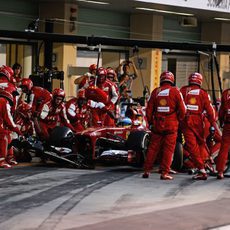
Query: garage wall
[
  {"x": 103, "y": 23},
  {"x": 16, "y": 15},
  {"x": 173, "y": 31}
]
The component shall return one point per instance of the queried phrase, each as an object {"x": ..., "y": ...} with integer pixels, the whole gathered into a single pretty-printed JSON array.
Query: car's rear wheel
[{"x": 178, "y": 157}]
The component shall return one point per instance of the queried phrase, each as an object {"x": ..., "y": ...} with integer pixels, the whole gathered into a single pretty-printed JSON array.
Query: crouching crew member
[
  {"x": 164, "y": 110},
  {"x": 53, "y": 113},
  {"x": 23, "y": 119},
  {"x": 78, "y": 112},
  {"x": 35, "y": 96}
]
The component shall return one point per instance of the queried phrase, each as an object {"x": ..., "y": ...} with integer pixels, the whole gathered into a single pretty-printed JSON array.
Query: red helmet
[
  {"x": 7, "y": 72},
  {"x": 26, "y": 82},
  {"x": 101, "y": 75},
  {"x": 58, "y": 93},
  {"x": 167, "y": 76},
  {"x": 9, "y": 92},
  {"x": 111, "y": 74},
  {"x": 24, "y": 109},
  {"x": 92, "y": 68},
  {"x": 195, "y": 78}
]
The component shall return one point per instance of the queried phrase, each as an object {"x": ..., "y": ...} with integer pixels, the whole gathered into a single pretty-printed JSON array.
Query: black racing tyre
[
  {"x": 138, "y": 141},
  {"x": 178, "y": 157},
  {"x": 61, "y": 136},
  {"x": 22, "y": 155}
]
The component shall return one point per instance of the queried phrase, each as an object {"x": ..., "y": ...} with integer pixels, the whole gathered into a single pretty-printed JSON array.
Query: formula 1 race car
[
  {"x": 123, "y": 145},
  {"x": 113, "y": 144}
]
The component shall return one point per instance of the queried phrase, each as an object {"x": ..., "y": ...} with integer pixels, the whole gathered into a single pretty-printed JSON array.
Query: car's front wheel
[{"x": 138, "y": 142}]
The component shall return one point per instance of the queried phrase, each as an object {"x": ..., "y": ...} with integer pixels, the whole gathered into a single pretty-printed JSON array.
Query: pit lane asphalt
[{"x": 40, "y": 197}]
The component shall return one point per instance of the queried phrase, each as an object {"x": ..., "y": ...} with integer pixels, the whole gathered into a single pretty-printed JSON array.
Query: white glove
[
  {"x": 100, "y": 105},
  {"x": 92, "y": 104}
]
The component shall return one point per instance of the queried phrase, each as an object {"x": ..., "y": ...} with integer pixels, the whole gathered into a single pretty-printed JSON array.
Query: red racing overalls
[{"x": 164, "y": 110}]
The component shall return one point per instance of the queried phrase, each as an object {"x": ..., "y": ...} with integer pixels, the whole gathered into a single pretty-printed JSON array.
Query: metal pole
[
  {"x": 212, "y": 79},
  {"x": 98, "y": 60}
]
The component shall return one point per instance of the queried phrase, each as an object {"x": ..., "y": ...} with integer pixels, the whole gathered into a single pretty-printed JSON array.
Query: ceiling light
[
  {"x": 222, "y": 19},
  {"x": 164, "y": 11},
  {"x": 94, "y": 2}
]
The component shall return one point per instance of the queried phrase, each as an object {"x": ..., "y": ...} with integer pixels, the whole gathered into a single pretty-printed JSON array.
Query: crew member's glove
[
  {"x": 92, "y": 104},
  {"x": 100, "y": 105}
]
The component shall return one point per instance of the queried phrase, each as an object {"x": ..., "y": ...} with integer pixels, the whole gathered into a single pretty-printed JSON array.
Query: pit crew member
[
  {"x": 52, "y": 114},
  {"x": 35, "y": 96},
  {"x": 102, "y": 96},
  {"x": 7, "y": 125},
  {"x": 23, "y": 119},
  {"x": 197, "y": 101},
  {"x": 164, "y": 110},
  {"x": 78, "y": 112},
  {"x": 224, "y": 117}
]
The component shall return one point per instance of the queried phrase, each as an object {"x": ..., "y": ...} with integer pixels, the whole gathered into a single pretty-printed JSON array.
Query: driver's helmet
[{"x": 125, "y": 122}]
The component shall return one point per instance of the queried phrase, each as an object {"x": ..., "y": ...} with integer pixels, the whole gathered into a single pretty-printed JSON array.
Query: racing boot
[
  {"x": 145, "y": 175},
  {"x": 209, "y": 167},
  {"x": 171, "y": 171},
  {"x": 200, "y": 176},
  {"x": 166, "y": 176},
  {"x": 11, "y": 161},
  {"x": 4, "y": 164},
  {"x": 220, "y": 175},
  {"x": 192, "y": 171}
]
